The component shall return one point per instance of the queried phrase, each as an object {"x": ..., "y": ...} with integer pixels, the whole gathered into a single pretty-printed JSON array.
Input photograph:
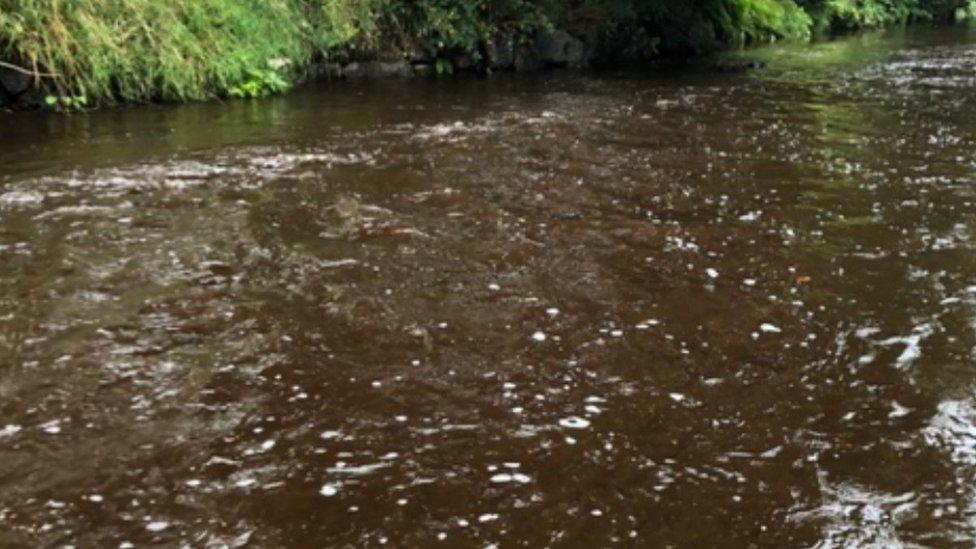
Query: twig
[{"x": 22, "y": 70}]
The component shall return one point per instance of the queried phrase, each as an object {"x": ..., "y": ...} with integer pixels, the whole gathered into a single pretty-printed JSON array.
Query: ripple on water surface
[{"x": 575, "y": 310}]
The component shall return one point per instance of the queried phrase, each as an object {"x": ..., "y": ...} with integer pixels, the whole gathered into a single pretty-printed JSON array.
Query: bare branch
[{"x": 22, "y": 70}]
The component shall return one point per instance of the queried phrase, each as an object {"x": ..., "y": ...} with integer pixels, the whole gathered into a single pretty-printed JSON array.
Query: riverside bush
[{"x": 176, "y": 50}]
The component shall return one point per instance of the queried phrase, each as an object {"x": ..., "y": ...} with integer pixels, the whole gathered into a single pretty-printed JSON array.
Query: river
[{"x": 674, "y": 308}]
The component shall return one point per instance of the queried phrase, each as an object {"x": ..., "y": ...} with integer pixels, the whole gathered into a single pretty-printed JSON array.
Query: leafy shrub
[{"x": 175, "y": 50}]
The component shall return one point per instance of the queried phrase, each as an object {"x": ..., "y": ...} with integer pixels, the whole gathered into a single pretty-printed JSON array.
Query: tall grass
[
  {"x": 105, "y": 51},
  {"x": 142, "y": 50}
]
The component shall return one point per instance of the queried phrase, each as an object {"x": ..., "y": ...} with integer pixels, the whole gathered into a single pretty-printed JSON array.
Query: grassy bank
[{"x": 94, "y": 52}]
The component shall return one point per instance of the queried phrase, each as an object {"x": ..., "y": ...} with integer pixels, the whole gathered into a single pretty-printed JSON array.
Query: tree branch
[{"x": 22, "y": 70}]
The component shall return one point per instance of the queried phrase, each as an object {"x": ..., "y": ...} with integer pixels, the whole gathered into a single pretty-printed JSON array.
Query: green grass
[
  {"x": 96, "y": 52},
  {"x": 145, "y": 50}
]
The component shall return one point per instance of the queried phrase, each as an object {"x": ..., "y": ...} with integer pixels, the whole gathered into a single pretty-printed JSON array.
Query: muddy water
[{"x": 566, "y": 310}]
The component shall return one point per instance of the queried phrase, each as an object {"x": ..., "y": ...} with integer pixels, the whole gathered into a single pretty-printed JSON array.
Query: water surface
[{"x": 568, "y": 310}]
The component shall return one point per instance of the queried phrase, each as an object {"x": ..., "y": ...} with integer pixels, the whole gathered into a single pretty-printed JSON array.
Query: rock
[
  {"x": 14, "y": 82},
  {"x": 423, "y": 69},
  {"x": 32, "y": 99},
  {"x": 325, "y": 71},
  {"x": 527, "y": 59},
  {"x": 462, "y": 62},
  {"x": 500, "y": 53},
  {"x": 415, "y": 55},
  {"x": 561, "y": 49},
  {"x": 737, "y": 65},
  {"x": 377, "y": 69}
]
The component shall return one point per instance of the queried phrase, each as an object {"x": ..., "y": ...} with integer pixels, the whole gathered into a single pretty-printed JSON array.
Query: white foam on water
[
  {"x": 20, "y": 198},
  {"x": 329, "y": 490},
  {"x": 897, "y": 410},
  {"x": 157, "y": 526}
]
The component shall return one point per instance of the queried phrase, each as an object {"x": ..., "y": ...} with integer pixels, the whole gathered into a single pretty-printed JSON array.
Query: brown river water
[{"x": 637, "y": 309}]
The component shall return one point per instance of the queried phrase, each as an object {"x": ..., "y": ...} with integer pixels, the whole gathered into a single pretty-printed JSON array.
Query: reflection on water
[{"x": 534, "y": 310}]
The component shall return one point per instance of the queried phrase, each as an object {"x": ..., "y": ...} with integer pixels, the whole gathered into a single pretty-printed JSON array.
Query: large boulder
[
  {"x": 527, "y": 59},
  {"x": 500, "y": 53},
  {"x": 377, "y": 69},
  {"x": 738, "y": 65},
  {"x": 14, "y": 82},
  {"x": 561, "y": 49},
  {"x": 31, "y": 99}
]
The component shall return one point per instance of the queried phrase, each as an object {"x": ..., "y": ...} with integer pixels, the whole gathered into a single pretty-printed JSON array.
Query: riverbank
[{"x": 93, "y": 53}]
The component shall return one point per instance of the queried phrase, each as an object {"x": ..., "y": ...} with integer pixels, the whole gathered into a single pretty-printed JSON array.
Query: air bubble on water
[
  {"x": 487, "y": 517},
  {"x": 574, "y": 422},
  {"x": 591, "y": 409},
  {"x": 712, "y": 273},
  {"x": 501, "y": 478},
  {"x": 329, "y": 490},
  {"x": 52, "y": 427},
  {"x": 329, "y": 435},
  {"x": 539, "y": 337},
  {"x": 9, "y": 430},
  {"x": 552, "y": 311},
  {"x": 768, "y": 328},
  {"x": 677, "y": 397}
]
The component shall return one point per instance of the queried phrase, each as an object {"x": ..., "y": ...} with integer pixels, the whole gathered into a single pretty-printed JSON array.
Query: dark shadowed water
[{"x": 567, "y": 310}]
